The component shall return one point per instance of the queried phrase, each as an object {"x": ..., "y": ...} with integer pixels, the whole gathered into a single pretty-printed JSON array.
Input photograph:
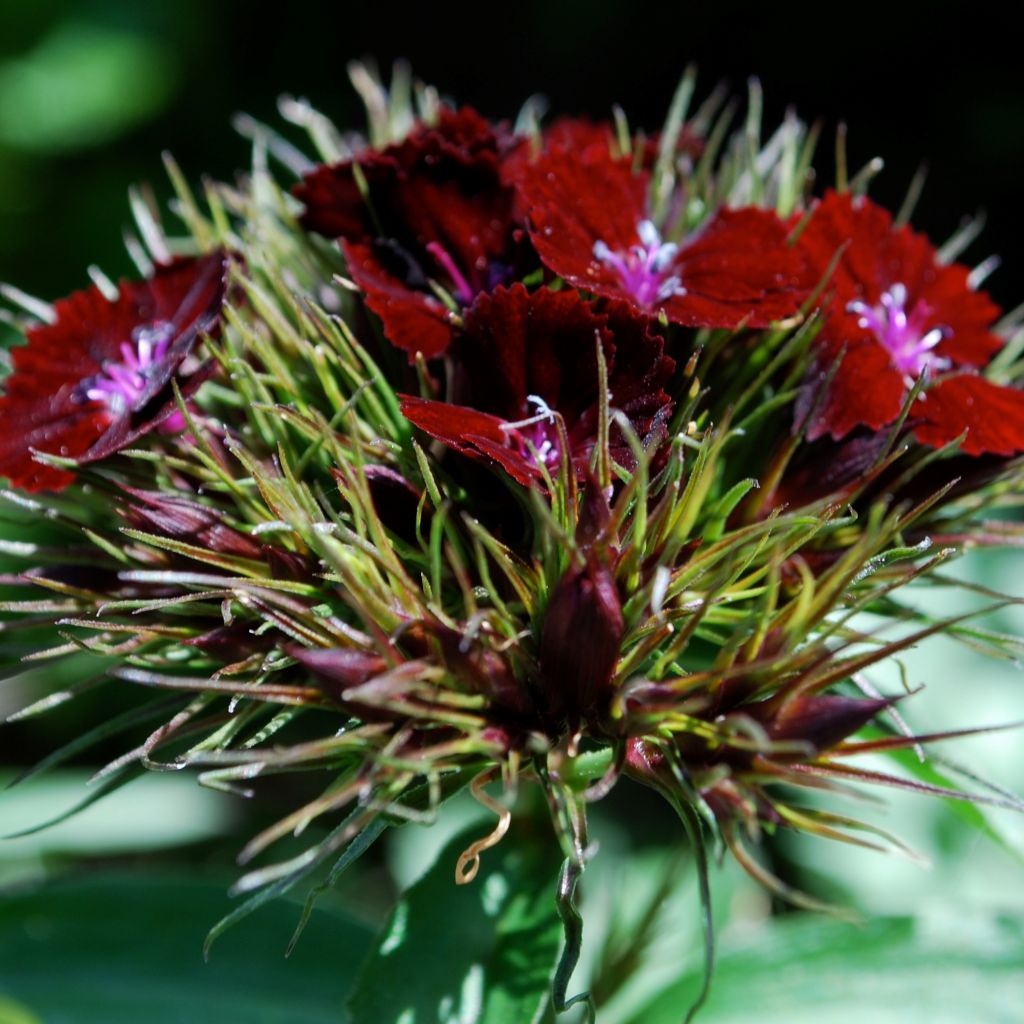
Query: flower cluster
[{"x": 484, "y": 453}]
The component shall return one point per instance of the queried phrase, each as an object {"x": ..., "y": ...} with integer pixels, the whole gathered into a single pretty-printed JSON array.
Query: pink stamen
[
  {"x": 904, "y": 335},
  {"x": 537, "y": 437},
  {"x": 120, "y": 385},
  {"x": 463, "y": 290},
  {"x": 644, "y": 270}
]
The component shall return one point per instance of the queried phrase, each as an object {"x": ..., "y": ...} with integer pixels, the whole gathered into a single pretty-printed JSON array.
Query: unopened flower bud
[{"x": 581, "y": 641}]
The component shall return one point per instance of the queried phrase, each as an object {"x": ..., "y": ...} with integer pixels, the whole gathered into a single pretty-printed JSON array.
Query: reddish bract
[{"x": 99, "y": 376}]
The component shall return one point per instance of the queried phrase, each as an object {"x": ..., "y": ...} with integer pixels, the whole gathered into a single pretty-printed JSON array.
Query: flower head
[
  {"x": 590, "y": 222},
  {"x": 527, "y": 360},
  {"x": 898, "y": 313},
  {"x": 98, "y": 376}
]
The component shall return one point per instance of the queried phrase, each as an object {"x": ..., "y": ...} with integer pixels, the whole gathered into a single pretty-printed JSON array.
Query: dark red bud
[
  {"x": 190, "y": 522},
  {"x": 594, "y": 516},
  {"x": 483, "y": 670},
  {"x": 231, "y": 644},
  {"x": 821, "y": 721},
  {"x": 581, "y": 642},
  {"x": 343, "y": 668}
]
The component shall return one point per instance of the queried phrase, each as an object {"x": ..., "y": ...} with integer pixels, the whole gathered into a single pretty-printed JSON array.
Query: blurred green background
[{"x": 91, "y": 92}]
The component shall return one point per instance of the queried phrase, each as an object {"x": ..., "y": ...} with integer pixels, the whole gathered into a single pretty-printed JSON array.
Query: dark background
[{"x": 91, "y": 91}]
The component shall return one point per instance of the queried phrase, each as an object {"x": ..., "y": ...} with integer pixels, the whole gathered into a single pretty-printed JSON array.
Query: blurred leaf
[
  {"x": 482, "y": 952},
  {"x": 155, "y": 811},
  {"x": 128, "y": 948},
  {"x": 806, "y": 968},
  {"x": 15, "y": 1013},
  {"x": 82, "y": 85}
]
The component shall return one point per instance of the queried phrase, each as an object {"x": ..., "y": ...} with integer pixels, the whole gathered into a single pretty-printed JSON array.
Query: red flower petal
[
  {"x": 43, "y": 406},
  {"x": 866, "y": 390},
  {"x": 415, "y": 321},
  {"x": 876, "y": 255},
  {"x": 574, "y": 203},
  {"x": 476, "y": 434},
  {"x": 334, "y": 203},
  {"x": 879, "y": 264},
  {"x": 738, "y": 269},
  {"x": 993, "y": 416},
  {"x": 438, "y": 205},
  {"x": 409, "y": 183}
]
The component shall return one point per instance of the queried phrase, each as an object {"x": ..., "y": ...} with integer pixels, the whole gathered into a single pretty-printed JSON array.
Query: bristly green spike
[{"x": 663, "y": 178}]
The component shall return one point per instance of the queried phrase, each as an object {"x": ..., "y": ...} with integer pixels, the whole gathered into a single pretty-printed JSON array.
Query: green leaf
[
  {"x": 15, "y": 1013},
  {"x": 809, "y": 969},
  {"x": 120, "y": 949},
  {"x": 481, "y": 953},
  {"x": 82, "y": 85},
  {"x": 156, "y": 810}
]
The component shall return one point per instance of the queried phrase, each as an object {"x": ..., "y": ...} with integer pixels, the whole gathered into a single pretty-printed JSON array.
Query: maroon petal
[
  {"x": 522, "y": 357},
  {"x": 993, "y": 416},
  {"x": 463, "y": 210},
  {"x": 575, "y": 202},
  {"x": 740, "y": 269},
  {"x": 415, "y": 321},
  {"x": 334, "y": 202},
  {"x": 476, "y": 434},
  {"x": 441, "y": 184},
  {"x": 517, "y": 343},
  {"x": 865, "y": 390},
  {"x": 874, "y": 255},
  {"x": 49, "y": 424}
]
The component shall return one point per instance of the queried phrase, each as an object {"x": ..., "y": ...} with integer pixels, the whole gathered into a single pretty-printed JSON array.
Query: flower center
[
  {"x": 537, "y": 437},
  {"x": 644, "y": 270},
  {"x": 903, "y": 334},
  {"x": 121, "y": 384}
]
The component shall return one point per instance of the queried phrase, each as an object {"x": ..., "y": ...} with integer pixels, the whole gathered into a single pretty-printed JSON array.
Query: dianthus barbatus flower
[
  {"x": 99, "y": 376},
  {"x": 897, "y": 313},
  {"x": 524, "y": 359},
  {"x": 431, "y": 210},
  {"x": 590, "y": 222}
]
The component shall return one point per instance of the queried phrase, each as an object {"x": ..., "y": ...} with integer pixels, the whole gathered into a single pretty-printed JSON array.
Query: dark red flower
[
  {"x": 524, "y": 357},
  {"x": 436, "y": 213},
  {"x": 896, "y": 313},
  {"x": 589, "y": 221},
  {"x": 99, "y": 376}
]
